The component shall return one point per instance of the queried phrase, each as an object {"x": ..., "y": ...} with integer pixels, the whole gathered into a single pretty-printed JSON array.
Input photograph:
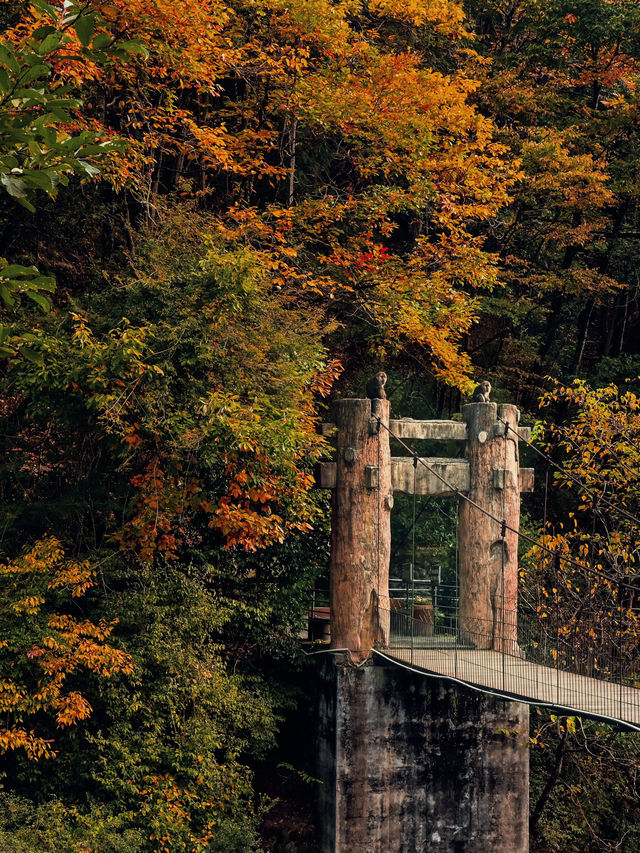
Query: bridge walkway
[{"x": 512, "y": 677}]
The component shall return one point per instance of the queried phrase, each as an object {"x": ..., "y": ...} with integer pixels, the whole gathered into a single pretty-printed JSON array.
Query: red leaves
[
  {"x": 160, "y": 505},
  {"x": 372, "y": 259}
]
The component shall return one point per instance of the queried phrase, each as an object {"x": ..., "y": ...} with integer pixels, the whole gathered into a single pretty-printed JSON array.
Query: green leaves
[
  {"x": 17, "y": 280},
  {"x": 37, "y": 150},
  {"x": 85, "y": 27}
]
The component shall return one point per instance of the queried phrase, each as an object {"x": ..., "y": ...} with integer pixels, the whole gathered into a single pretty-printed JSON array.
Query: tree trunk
[
  {"x": 292, "y": 160},
  {"x": 549, "y": 785}
]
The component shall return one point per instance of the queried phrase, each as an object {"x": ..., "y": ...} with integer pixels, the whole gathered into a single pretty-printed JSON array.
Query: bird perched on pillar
[
  {"x": 482, "y": 393},
  {"x": 375, "y": 386}
]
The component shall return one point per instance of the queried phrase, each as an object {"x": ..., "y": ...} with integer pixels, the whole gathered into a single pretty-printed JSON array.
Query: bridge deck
[{"x": 516, "y": 678}]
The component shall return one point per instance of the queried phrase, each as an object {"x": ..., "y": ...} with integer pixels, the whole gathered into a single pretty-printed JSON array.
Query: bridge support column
[
  {"x": 361, "y": 528},
  {"x": 488, "y": 562},
  {"x": 412, "y": 765}
]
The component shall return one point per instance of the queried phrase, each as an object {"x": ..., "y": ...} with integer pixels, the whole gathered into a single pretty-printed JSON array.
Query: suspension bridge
[
  {"x": 516, "y": 675},
  {"x": 528, "y": 659},
  {"x": 480, "y": 639}
]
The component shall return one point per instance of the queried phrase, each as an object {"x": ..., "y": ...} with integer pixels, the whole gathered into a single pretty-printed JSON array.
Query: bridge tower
[{"x": 411, "y": 763}]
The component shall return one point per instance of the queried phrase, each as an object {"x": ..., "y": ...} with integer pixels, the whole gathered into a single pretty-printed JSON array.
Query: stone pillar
[
  {"x": 488, "y": 565},
  {"x": 361, "y": 528},
  {"x": 410, "y": 764}
]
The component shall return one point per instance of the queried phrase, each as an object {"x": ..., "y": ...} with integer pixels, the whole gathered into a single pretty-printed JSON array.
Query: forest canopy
[{"x": 219, "y": 216}]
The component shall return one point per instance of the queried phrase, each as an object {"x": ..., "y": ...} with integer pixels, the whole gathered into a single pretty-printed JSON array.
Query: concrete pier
[{"x": 410, "y": 765}]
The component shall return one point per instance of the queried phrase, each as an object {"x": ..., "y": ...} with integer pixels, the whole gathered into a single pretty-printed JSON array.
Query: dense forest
[{"x": 219, "y": 216}]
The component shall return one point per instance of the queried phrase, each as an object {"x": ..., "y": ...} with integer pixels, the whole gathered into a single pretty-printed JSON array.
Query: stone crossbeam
[
  {"x": 408, "y": 428},
  {"x": 453, "y": 471},
  {"x": 431, "y": 430}
]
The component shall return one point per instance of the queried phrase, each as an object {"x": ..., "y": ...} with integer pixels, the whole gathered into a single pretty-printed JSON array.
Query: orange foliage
[
  {"x": 64, "y": 645},
  {"x": 230, "y": 92},
  {"x": 161, "y": 504}
]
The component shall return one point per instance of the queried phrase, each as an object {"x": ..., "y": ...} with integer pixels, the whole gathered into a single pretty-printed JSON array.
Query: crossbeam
[
  {"x": 443, "y": 430},
  {"x": 454, "y": 471},
  {"x": 429, "y": 480},
  {"x": 430, "y": 430}
]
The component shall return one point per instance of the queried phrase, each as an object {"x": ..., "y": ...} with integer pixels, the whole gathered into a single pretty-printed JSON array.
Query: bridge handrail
[
  {"x": 524, "y": 662},
  {"x": 519, "y": 634}
]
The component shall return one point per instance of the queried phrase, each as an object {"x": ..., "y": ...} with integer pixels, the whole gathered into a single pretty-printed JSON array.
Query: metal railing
[
  {"x": 520, "y": 656},
  {"x": 546, "y": 660}
]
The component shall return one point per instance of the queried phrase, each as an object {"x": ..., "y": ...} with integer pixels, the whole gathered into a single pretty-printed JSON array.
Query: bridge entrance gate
[{"x": 410, "y": 763}]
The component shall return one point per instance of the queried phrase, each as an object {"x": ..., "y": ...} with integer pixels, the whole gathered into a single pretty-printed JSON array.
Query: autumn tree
[
  {"x": 561, "y": 85},
  {"x": 301, "y": 189},
  {"x": 579, "y": 599},
  {"x": 585, "y": 582}
]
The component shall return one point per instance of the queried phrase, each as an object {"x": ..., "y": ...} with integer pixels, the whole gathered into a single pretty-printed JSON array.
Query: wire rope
[
  {"x": 593, "y": 495},
  {"x": 456, "y": 491}
]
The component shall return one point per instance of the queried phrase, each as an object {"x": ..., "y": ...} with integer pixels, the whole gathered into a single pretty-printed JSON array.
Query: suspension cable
[
  {"x": 456, "y": 491},
  {"x": 593, "y": 495}
]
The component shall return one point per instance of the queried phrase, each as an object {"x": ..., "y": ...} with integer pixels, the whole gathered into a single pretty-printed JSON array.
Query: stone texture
[
  {"x": 488, "y": 563},
  {"x": 409, "y": 764},
  {"x": 326, "y": 475},
  {"x": 455, "y": 472},
  {"x": 431, "y": 430},
  {"x": 360, "y": 528},
  {"x": 527, "y": 479}
]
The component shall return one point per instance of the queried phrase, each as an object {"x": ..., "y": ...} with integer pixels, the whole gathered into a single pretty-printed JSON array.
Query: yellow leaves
[
  {"x": 446, "y": 15},
  {"x": 18, "y": 738},
  {"x": 586, "y": 283},
  {"x": 62, "y": 644},
  {"x": 43, "y": 557},
  {"x": 31, "y": 604},
  {"x": 600, "y": 448},
  {"x": 77, "y": 576},
  {"x": 81, "y": 332},
  {"x": 325, "y": 378},
  {"x": 571, "y": 183},
  {"x": 71, "y": 708}
]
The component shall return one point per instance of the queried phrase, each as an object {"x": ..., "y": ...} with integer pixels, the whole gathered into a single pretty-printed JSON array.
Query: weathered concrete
[
  {"x": 411, "y": 765},
  {"x": 454, "y": 471},
  {"x": 327, "y": 475},
  {"x": 488, "y": 554},
  {"x": 428, "y": 430},
  {"x": 360, "y": 527},
  {"x": 527, "y": 479}
]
